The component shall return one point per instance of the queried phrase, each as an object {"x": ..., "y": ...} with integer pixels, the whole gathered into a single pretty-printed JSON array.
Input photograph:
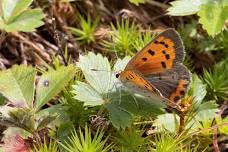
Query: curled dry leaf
[{"x": 15, "y": 143}]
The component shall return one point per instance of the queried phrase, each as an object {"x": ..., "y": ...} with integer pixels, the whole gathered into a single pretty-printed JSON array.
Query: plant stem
[
  {"x": 215, "y": 143},
  {"x": 182, "y": 123}
]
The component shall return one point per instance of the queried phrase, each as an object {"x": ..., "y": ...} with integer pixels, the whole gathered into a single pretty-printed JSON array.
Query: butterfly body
[{"x": 157, "y": 69}]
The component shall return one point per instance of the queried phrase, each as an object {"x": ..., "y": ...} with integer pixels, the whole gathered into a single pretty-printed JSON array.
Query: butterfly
[{"x": 157, "y": 69}]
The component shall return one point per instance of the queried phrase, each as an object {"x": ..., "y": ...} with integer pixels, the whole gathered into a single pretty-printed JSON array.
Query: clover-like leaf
[
  {"x": 16, "y": 16},
  {"x": 51, "y": 83},
  {"x": 213, "y": 15},
  {"x": 18, "y": 84},
  {"x": 185, "y": 7},
  {"x": 100, "y": 77}
]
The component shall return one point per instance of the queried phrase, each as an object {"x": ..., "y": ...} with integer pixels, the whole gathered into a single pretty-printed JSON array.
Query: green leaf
[
  {"x": 51, "y": 83},
  {"x": 123, "y": 106},
  {"x": 119, "y": 117},
  {"x": 206, "y": 111},
  {"x": 184, "y": 7},
  {"x": 86, "y": 93},
  {"x": 26, "y": 21},
  {"x": 137, "y": 2},
  {"x": 224, "y": 128},
  {"x": 101, "y": 80},
  {"x": 167, "y": 121},
  {"x": 213, "y": 15},
  {"x": 12, "y": 8},
  {"x": 15, "y": 15},
  {"x": 18, "y": 84},
  {"x": 197, "y": 89}
]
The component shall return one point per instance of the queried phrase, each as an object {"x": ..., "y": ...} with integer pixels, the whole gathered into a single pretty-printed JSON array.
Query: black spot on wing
[
  {"x": 144, "y": 59},
  {"x": 151, "y": 52},
  {"x": 156, "y": 42},
  {"x": 163, "y": 64},
  {"x": 167, "y": 56}
]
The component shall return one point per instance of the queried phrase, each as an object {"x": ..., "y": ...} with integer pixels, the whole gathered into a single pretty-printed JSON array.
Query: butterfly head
[{"x": 118, "y": 74}]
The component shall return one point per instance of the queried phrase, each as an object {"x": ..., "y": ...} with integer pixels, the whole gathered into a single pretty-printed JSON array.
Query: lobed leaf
[
  {"x": 18, "y": 84},
  {"x": 185, "y": 7},
  {"x": 51, "y": 83},
  {"x": 212, "y": 16}
]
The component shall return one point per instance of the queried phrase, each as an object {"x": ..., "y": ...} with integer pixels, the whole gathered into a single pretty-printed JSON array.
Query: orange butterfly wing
[
  {"x": 159, "y": 68},
  {"x": 159, "y": 55}
]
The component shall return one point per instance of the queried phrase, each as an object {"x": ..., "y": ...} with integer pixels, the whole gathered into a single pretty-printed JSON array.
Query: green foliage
[
  {"x": 87, "y": 29},
  {"x": 197, "y": 90},
  {"x": 46, "y": 147},
  {"x": 86, "y": 142},
  {"x": 16, "y": 16},
  {"x": 51, "y": 83},
  {"x": 126, "y": 38},
  {"x": 196, "y": 41},
  {"x": 166, "y": 142},
  {"x": 199, "y": 113},
  {"x": 102, "y": 89},
  {"x": 137, "y": 2},
  {"x": 212, "y": 14},
  {"x": 185, "y": 7},
  {"x": 18, "y": 85},
  {"x": 27, "y": 115},
  {"x": 142, "y": 40},
  {"x": 217, "y": 82},
  {"x": 122, "y": 37},
  {"x": 223, "y": 129},
  {"x": 130, "y": 140}
]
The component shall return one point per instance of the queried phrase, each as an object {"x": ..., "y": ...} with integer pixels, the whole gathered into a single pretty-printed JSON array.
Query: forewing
[{"x": 159, "y": 55}]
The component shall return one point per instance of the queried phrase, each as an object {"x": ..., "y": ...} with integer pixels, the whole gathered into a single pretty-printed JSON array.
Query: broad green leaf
[
  {"x": 167, "y": 121},
  {"x": 12, "y": 8},
  {"x": 185, "y": 7},
  {"x": 197, "y": 89},
  {"x": 51, "y": 83},
  {"x": 17, "y": 85},
  {"x": 119, "y": 117},
  {"x": 21, "y": 6},
  {"x": 101, "y": 80},
  {"x": 206, "y": 111},
  {"x": 213, "y": 15},
  {"x": 122, "y": 107},
  {"x": 86, "y": 93},
  {"x": 137, "y": 2},
  {"x": 26, "y": 21}
]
